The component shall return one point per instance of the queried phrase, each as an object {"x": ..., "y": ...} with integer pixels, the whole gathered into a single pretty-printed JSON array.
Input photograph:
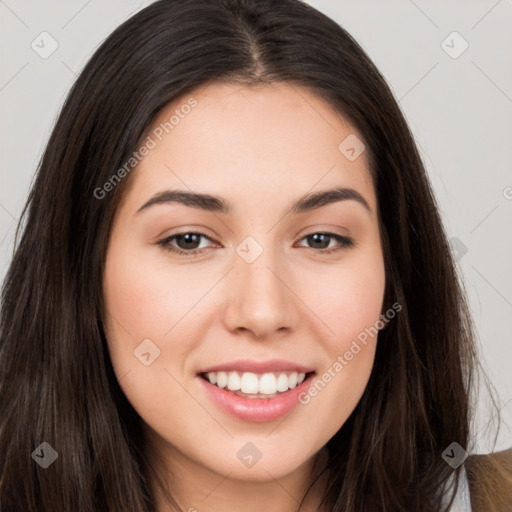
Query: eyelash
[{"x": 344, "y": 241}]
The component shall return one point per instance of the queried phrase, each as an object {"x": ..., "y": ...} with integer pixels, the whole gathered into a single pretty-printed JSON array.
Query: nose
[{"x": 260, "y": 297}]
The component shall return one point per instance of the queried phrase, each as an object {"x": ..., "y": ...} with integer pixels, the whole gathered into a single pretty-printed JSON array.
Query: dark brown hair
[{"x": 56, "y": 379}]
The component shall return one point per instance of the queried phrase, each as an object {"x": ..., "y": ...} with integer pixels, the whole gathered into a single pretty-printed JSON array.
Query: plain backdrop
[{"x": 449, "y": 65}]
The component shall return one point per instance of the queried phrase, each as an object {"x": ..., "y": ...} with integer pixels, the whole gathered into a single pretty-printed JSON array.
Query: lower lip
[{"x": 256, "y": 410}]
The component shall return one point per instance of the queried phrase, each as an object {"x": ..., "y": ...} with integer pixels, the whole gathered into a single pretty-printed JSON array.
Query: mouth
[
  {"x": 255, "y": 397},
  {"x": 256, "y": 385}
]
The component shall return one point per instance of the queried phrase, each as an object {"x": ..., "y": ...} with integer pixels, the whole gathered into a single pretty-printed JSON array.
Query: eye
[
  {"x": 186, "y": 243},
  {"x": 322, "y": 241}
]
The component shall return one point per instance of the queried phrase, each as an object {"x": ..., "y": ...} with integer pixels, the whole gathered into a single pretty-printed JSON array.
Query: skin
[{"x": 261, "y": 149}]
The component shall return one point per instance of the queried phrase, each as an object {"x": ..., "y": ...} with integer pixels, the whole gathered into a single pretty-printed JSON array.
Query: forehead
[{"x": 276, "y": 140}]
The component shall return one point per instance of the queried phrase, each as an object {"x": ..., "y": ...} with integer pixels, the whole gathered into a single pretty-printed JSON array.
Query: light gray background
[{"x": 460, "y": 110}]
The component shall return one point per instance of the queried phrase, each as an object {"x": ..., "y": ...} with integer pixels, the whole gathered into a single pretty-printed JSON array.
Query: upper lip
[{"x": 246, "y": 365}]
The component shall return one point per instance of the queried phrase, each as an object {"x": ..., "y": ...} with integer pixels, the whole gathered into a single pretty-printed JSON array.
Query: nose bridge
[
  {"x": 256, "y": 267},
  {"x": 258, "y": 299}
]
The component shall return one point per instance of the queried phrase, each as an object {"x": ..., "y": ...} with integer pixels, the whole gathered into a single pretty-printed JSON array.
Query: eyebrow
[{"x": 217, "y": 204}]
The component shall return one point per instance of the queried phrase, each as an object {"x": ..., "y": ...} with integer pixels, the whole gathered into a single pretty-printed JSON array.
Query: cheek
[
  {"x": 144, "y": 303},
  {"x": 348, "y": 299},
  {"x": 145, "y": 297}
]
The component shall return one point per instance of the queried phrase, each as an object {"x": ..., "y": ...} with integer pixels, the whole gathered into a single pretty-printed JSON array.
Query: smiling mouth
[{"x": 256, "y": 385}]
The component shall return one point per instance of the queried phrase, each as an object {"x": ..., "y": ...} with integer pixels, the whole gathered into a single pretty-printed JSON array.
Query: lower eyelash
[{"x": 345, "y": 243}]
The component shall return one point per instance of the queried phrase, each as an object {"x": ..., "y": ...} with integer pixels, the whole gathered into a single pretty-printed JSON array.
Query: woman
[{"x": 313, "y": 352}]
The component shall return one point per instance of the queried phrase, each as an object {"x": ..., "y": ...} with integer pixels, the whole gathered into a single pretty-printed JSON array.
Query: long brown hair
[{"x": 56, "y": 379}]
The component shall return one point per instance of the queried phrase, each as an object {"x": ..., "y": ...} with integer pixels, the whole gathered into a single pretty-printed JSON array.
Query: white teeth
[
  {"x": 268, "y": 384},
  {"x": 252, "y": 383},
  {"x": 282, "y": 382},
  {"x": 249, "y": 383},
  {"x": 233, "y": 381},
  {"x": 222, "y": 379}
]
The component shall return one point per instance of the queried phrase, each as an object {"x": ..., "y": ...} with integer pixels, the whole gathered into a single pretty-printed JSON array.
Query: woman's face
[{"x": 266, "y": 292}]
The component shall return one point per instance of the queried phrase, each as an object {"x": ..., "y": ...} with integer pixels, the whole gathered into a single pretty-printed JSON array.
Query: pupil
[
  {"x": 316, "y": 240},
  {"x": 189, "y": 238}
]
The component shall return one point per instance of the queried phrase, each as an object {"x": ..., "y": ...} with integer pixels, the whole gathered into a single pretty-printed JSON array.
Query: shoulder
[{"x": 489, "y": 477}]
